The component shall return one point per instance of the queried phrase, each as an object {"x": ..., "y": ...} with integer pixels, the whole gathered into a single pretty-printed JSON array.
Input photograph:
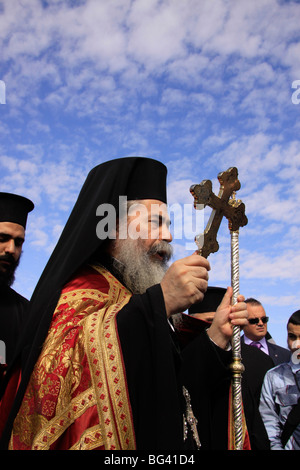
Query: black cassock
[
  {"x": 159, "y": 361},
  {"x": 13, "y": 308},
  {"x": 156, "y": 370},
  {"x": 207, "y": 375}
]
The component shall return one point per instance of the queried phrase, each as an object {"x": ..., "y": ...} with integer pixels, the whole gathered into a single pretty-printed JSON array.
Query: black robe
[
  {"x": 210, "y": 396},
  {"x": 156, "y": 371},
  {"x": 12, "y": 317}
]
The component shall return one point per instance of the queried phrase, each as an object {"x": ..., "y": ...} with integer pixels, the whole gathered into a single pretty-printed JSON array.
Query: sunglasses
[{"x": 255, "y": 321}]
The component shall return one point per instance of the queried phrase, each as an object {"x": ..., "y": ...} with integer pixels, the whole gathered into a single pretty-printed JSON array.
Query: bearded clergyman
[{"x": 100, "y": 362}]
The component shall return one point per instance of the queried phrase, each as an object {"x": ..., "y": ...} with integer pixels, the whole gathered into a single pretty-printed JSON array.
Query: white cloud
[
  {"x": 40, "y": 238},
  {"x": 283, "y": 266},
  {"x": 8, "y": 162},
  {"x": 56, "y": 181},
  {"x": 157, "y": 32},
  {"x": 282, "y": 301},
  {"x": 119, "y": 36}
]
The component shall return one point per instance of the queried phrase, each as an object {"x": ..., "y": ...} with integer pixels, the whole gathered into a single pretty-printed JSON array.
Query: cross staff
[{"x": 226, "y": 205}]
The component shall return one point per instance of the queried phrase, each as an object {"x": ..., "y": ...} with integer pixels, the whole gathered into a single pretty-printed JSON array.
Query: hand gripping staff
[{"x": 225, "y": 204}]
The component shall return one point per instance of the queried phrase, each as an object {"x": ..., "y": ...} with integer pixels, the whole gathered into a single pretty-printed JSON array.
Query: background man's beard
[
  {"x": 138, "y": 268},
  {"x": 7, "y": 277}
]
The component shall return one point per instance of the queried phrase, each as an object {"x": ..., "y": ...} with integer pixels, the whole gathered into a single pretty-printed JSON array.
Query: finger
[
  {"x": 199, "y": 273},
  {"x": 239, "y": 315},
  {"x": 196, "y": 260},
  {"x": 226, "y": 301},
  {"x": 201, "y": 285},
  {"x": 239, "y": 321},
  {"x": 197, "y": 285},
  {"x": 239, "y": 307},
  {"x": 240, "y": 298}
]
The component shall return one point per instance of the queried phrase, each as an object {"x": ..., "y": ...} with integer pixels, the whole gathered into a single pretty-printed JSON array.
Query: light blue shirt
[{"x": 280, "y": 391}]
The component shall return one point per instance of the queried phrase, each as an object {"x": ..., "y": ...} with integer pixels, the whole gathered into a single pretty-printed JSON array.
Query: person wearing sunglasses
[{"x": 256, "y": 333}]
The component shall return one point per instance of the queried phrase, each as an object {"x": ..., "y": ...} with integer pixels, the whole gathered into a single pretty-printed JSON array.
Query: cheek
[
  {"x": 154, "y": 232},
  {"x": 148, "y": 244},
  {"x": 144, "y": 244},
  {"x": 294, "y": 344}
]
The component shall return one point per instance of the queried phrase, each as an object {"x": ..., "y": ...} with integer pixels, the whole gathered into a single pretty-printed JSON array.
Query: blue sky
[{"x": 202, "y": 85}]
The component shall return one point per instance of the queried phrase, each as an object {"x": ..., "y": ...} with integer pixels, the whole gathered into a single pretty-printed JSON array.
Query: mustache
[
  {"x": 163, "y": 248},
  {"x": 9, "y": 258}
]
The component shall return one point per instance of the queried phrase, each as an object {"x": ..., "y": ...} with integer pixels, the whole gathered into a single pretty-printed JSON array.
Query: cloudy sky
[{"x": 202, "y": 85}]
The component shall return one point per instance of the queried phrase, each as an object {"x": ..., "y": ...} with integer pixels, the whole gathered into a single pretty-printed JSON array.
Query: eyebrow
[
  {"x": 161, "y": 218},
  {"x": 8, "y": 236}
]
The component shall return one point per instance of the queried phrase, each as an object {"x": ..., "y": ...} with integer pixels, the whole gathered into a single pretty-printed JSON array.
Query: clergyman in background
[{"x": 14, "y": 211}]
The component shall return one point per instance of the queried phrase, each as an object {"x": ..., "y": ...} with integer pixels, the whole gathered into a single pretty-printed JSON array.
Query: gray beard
[{"x": 138, "y": 269}]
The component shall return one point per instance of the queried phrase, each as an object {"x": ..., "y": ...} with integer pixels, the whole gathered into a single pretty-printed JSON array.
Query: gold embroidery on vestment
[
  {"x": 83, "y": 328},
  {"x": 89, "y": 440},
  {"x": 118, "y": 432}
]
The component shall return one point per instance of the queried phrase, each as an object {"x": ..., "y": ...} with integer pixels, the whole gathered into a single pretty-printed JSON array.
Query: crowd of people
[{"x": 103, "y": 357}]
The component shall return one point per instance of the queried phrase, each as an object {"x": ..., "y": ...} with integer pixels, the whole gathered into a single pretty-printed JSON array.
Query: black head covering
[
  {"x": 134, "y": 177},
  {"x": 211, "y": 300},
  {"x": 14, "y": 208}
]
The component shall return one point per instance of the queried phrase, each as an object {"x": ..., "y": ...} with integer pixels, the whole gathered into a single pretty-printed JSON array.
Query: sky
[{"x": 201, "y": 85}]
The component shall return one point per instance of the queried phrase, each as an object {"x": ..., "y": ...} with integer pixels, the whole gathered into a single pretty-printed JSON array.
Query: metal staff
[
  {"x": 226, "y": 205},
  {"x": 236, "y": 366}
]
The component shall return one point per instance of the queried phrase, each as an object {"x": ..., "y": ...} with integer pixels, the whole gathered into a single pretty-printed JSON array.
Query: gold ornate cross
[{"x": 224, "y": 204}]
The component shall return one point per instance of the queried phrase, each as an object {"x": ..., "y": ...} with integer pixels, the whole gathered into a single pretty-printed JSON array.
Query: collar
[{"x": 262, "y": 341}]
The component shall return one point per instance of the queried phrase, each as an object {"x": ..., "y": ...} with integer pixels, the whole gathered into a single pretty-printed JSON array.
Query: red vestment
[{"x": 77, "y": 396}]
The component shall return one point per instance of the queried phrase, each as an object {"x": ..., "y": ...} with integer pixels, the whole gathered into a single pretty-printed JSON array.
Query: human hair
[
  {"x": 252, "y": 301},
  {"x": 295, "y": 318}
]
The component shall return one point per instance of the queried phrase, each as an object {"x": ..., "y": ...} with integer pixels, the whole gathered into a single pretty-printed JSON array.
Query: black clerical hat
[
  {"x": 14, "y": 208},
  {"x": 147, "y": 180},
  {"x": 211, "y": 301}
]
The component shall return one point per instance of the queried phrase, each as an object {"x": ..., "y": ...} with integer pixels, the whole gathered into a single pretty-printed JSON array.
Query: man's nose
[
  {"x": 166, "y": 235},
  {"x": 10, "y": 247},
  {"x": 296, "y": 343}
]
